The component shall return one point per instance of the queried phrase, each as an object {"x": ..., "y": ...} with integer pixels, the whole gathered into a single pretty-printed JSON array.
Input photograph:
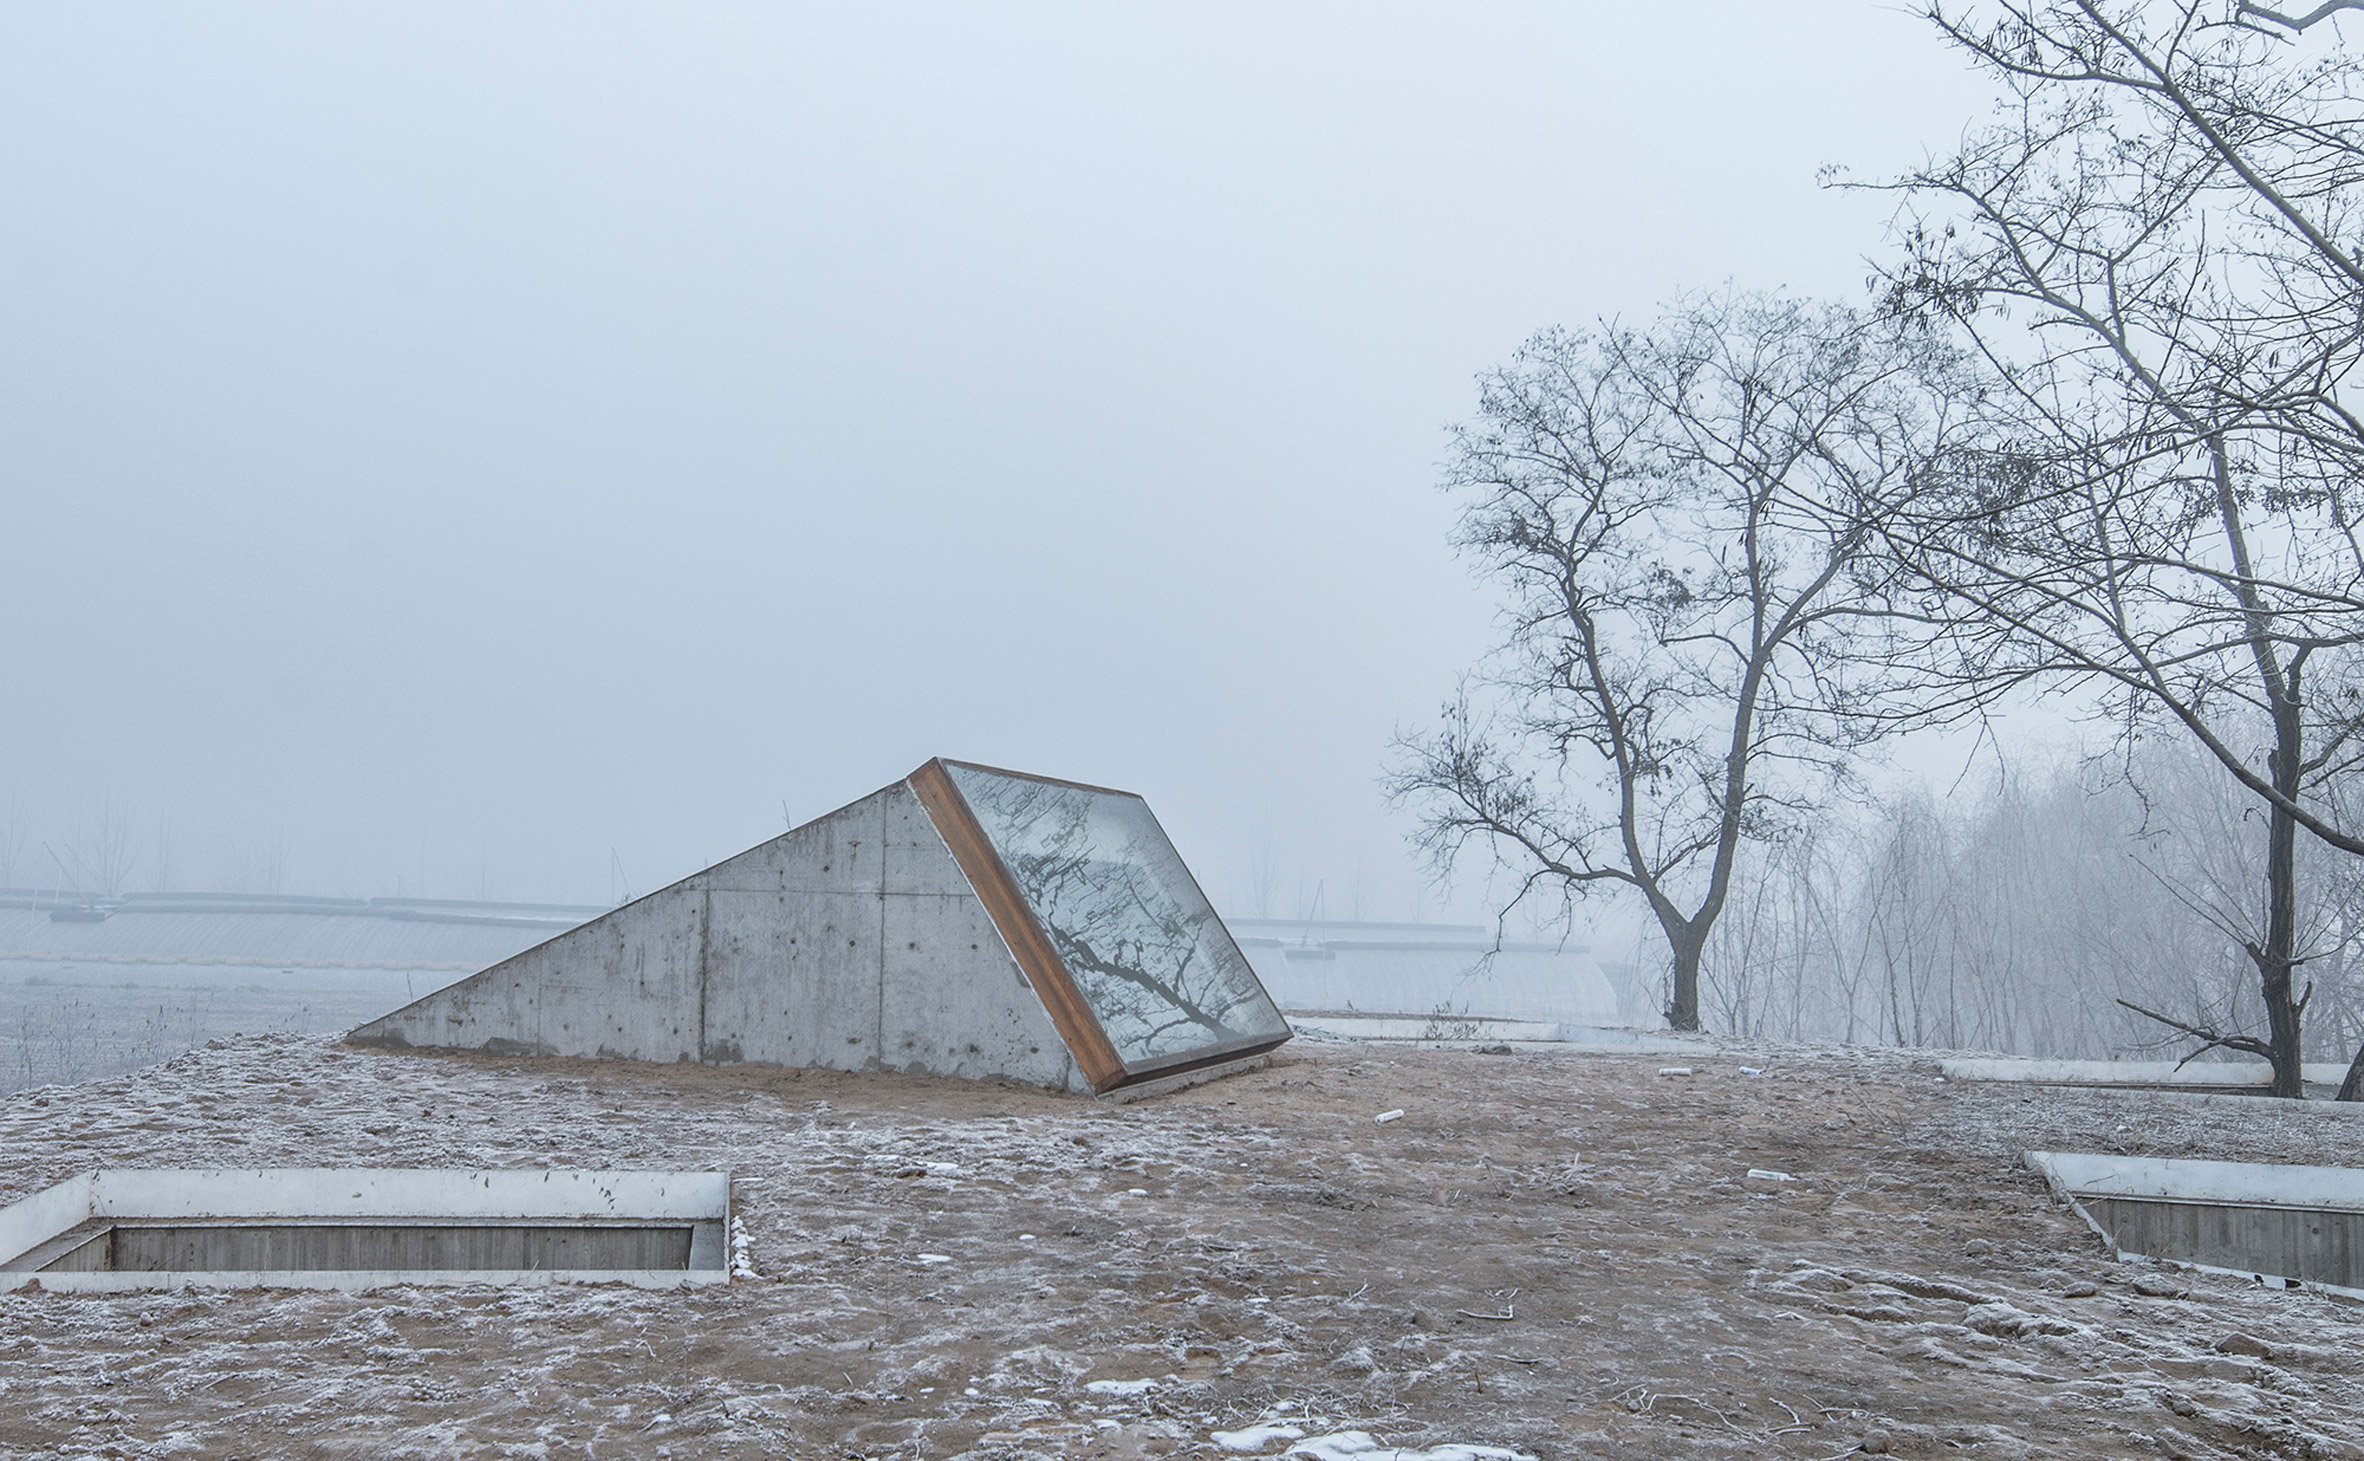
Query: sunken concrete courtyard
[{"x": 1551, "y": 1252}]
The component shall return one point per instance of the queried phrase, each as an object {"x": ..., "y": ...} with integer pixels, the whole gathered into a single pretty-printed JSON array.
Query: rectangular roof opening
[
  {"x": 115, "y": 1230},
  {"x": 2280, "y": 1224}
]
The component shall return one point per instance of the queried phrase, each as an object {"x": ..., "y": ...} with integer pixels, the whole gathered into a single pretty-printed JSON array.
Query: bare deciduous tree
[
  {"x": 101, "y": 852},
  {"x": 2144, "y": 243},
  {"x": 1699, "y": 632},
  {"x": 12, "y": 841}
]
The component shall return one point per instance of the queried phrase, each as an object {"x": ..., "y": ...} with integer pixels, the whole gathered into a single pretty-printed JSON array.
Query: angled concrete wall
[{"x": 853, "y": 942}]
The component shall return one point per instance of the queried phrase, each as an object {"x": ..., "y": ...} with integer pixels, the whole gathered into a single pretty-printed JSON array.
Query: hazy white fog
[{"x": 472, "y": 448}]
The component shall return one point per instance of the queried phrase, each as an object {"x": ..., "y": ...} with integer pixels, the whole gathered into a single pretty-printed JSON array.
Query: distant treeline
[{"x": 2015, "y": 915}]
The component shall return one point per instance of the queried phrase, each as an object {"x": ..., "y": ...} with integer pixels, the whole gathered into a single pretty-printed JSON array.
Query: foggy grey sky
[{"x": 458, "y": 441}]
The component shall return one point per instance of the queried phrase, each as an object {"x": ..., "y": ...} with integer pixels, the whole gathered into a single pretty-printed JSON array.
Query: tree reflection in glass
[{"x": 1138, "y": 938}]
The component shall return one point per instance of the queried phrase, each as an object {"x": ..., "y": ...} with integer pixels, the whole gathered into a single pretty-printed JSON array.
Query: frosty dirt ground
[
  {"x": 65, "y": 1020},
  {"x": 1551, "y": 1252}
]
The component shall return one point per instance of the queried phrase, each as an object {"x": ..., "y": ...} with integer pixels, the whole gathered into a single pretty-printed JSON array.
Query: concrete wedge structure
[{"x": 963, "y": 921}]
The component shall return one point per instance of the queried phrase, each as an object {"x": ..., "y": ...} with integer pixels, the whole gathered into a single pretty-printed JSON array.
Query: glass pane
[{"x": 1144, "y": 949}]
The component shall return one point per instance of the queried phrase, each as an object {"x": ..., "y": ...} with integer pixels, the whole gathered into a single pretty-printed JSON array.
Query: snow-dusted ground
[
  {"x": 65, "y": 1020},
  {"x": 1550, "y": 1253}
]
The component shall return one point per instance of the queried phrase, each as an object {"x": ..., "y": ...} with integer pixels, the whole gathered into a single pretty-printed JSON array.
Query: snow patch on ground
[
  {"x": 1249, "y": 1439},
  {"x": 742, "y": 1266},
  {"x": 1351, "y": 1446},
  {"x": 1359, "y": 1446}
]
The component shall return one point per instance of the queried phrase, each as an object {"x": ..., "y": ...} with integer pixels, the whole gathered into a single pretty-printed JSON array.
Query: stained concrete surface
[
  {"x": 853, "y": 942},
  {"x": 380, "y": 1247},
  {"x": 2310, "y": 1245}
]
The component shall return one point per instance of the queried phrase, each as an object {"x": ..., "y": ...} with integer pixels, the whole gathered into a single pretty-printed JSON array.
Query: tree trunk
[
  {"x": 1682, "y": 1012},
  {"x": 2277, "y": 960},
  {"x": 2352, "y": 1089}
]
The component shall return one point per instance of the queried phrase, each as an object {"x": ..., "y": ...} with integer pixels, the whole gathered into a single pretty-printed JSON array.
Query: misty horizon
[{"x": 535, "y": 453}]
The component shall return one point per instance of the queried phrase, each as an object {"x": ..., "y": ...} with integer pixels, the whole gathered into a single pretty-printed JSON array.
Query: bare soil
[{"x": 1555, "y": 1252}]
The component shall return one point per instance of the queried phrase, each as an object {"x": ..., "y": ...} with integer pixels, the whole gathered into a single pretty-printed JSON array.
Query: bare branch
[
  {"x": 2308, "y": 21},
  {"x": 2210, "y": 1038}
]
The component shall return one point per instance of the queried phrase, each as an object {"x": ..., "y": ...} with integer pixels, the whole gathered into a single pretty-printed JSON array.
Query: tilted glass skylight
[{"x": 1133, "y": 937}]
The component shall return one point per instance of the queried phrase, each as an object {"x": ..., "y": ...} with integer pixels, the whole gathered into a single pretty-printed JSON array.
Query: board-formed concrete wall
[
  {"x": 853, "y": 942},
  {"x": 2304, "y": 1223}
]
